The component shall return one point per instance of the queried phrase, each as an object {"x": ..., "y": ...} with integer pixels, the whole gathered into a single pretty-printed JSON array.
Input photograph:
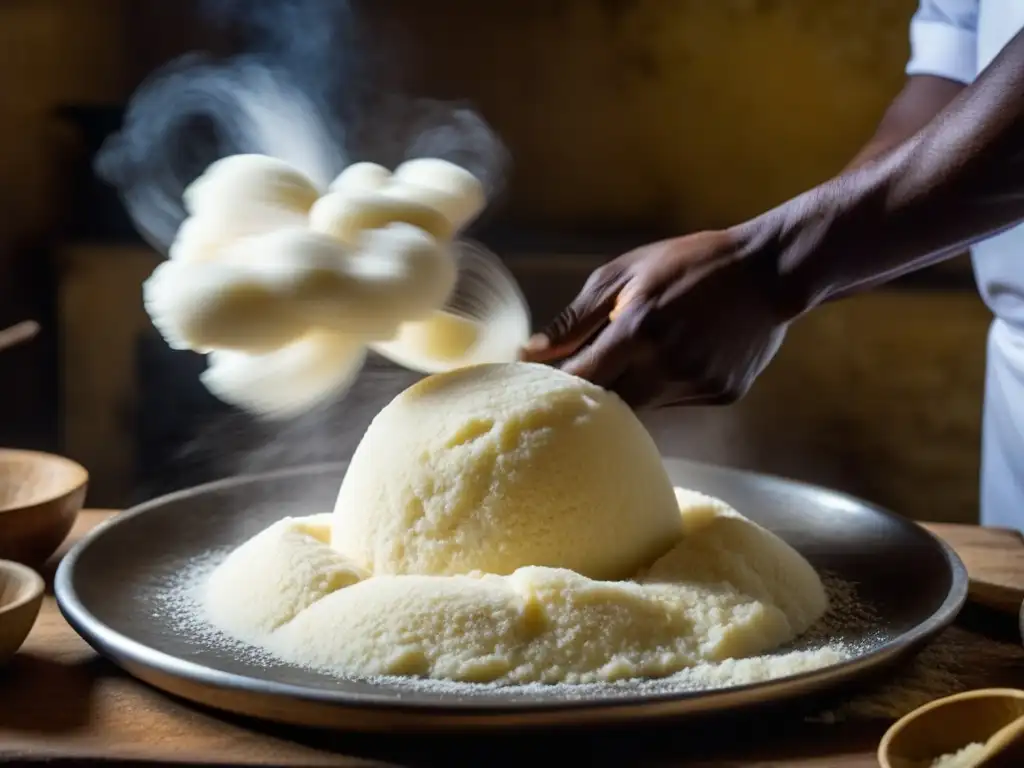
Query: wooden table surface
[{"x": 62, "y": 704}]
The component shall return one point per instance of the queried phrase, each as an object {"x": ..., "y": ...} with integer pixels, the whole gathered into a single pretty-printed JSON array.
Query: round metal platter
[{"x": 116, "y": 589}]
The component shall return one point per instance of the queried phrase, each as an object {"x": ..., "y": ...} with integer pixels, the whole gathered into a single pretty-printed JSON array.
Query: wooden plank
[{"x": 995, "y": 561}]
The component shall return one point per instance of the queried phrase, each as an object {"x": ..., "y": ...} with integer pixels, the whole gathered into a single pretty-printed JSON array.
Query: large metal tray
[{"x": 112, "y": 588}]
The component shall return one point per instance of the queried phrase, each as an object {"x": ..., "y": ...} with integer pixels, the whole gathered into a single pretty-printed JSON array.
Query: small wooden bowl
[
  {"x": 21, "y": 595},
  {"x": 993, "y": 717},
  {"x": 40, "y": 497}
]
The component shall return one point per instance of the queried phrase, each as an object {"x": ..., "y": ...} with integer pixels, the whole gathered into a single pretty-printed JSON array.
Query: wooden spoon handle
[{"x": 18, "y": 333}]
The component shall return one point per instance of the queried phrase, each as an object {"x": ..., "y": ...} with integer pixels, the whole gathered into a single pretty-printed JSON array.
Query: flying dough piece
[
  {"x": 462, "y": 196},
  {"x": 248, "y": 179},
  {"x": 251, "y": 194},
  {"x": 444, "y": 338},
  {"x": 444, "y": 342},
  {"x": 324, "y": 283},
  {"x": 289, "y": 380},
  {"x": 268, "y": 291},
  {"x": 249, "y": 298},
  {"x": 406, "y": 268},
  {"x": 398, "y": 273},
  {"x": 401, "y": 274},
  {"x": 360, "y": 177},
  {"x": 484, "y": 320},
  {"x": 265, "y": 274},
  {"x": 432, "y": 199},
  {"x": 198, "y": 239},
  {"x": 283, "y": 251},
  {"x": 347, "y": 215},
  {"x": 212, "y": 305}
]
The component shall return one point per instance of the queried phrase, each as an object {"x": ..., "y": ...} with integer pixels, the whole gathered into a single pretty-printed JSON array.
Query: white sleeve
[{"x": 944, "y": 40}]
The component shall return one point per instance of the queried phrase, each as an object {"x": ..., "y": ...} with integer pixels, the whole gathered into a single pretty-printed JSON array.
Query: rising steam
[
  {"x": 293, "y": 96},
  {"x": 303, "y": 91},
  {"x": 195, "y": 112}
]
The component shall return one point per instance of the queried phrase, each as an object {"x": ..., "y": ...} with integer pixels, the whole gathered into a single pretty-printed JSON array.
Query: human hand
[{"x": 692, "y": 320}]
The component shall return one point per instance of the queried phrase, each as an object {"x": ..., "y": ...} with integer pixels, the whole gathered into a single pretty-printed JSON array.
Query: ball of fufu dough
[
  {"x": 251, "y": 194},
  {"x": 498, "y": 466}
]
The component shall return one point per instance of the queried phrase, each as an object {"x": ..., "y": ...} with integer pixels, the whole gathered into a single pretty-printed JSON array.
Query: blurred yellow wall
[
  {"x": 621, "y": 114},
  {"x": 674, "y": 114},
  {"x": 54, "y": 51}
]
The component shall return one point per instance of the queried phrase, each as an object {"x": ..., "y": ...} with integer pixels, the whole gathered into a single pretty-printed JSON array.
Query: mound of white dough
[
  {"x": 285, "y": 286},
  {"x": 494, "y": 468},
  {"x": 513, "y": 524}
]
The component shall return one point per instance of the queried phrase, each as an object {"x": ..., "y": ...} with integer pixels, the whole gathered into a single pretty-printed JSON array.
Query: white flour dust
[
  {"x": 848, "y": 618},
  {"x": 949, "y": 664}
]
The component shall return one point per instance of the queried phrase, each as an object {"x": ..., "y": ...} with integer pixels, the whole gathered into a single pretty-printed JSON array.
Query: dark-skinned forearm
[
  {"x": 958, "y": 181},
  {"x": 921, "y": 99}
]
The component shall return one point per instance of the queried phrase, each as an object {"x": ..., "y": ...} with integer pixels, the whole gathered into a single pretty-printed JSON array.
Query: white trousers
[{"x": 1002, "y": 446}]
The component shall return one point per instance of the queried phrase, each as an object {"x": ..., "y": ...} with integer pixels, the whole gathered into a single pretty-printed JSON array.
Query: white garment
[{"x": 957, "y": 39}]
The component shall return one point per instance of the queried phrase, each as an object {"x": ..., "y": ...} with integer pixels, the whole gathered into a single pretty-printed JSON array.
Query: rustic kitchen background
[{"x": 626, "y": 119}]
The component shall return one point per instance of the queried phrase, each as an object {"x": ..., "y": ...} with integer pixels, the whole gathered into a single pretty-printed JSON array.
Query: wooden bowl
[
  {"x": 40, "y": 497},
  {"x": 21, "y": 595},
  {"x": 988, "y": 722}
]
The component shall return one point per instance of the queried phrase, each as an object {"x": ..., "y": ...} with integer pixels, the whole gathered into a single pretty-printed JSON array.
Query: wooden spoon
[
  {"x": 986, "y": 725},
  {"x": 18, "y": 334}
]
